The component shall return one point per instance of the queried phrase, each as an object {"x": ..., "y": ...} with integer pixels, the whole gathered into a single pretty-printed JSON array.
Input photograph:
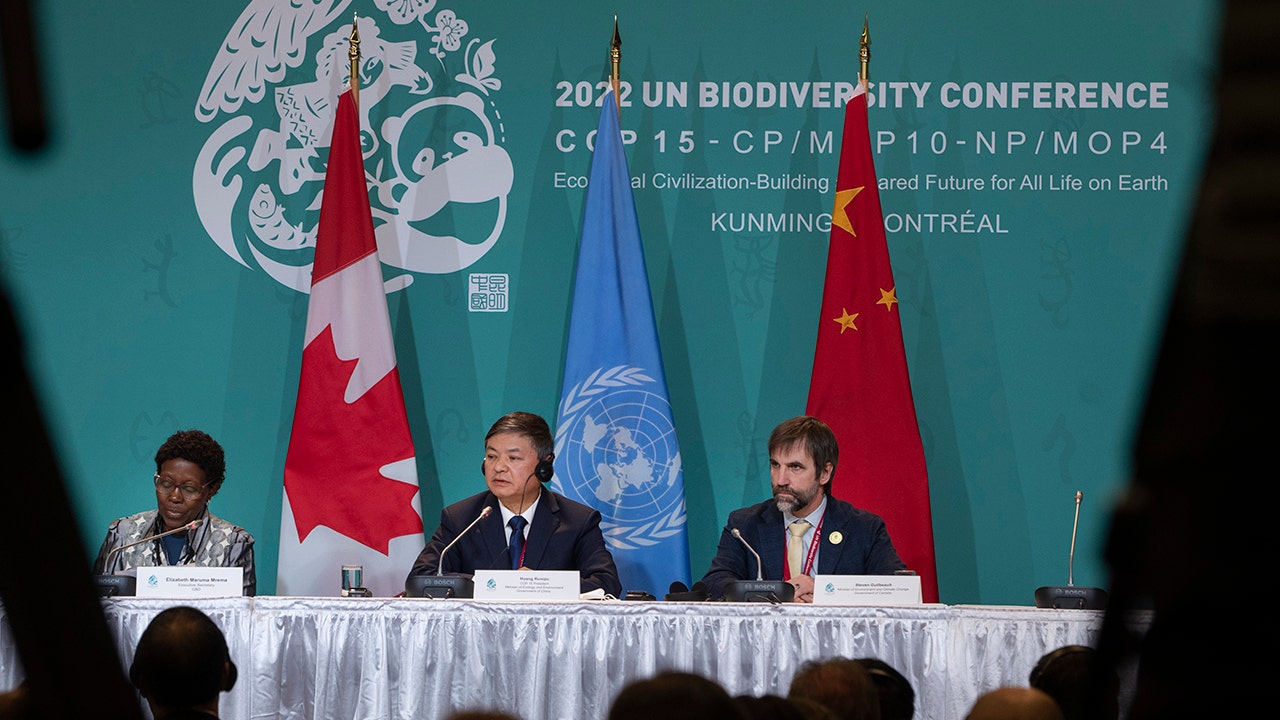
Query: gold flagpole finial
[
  {"x": 615, "y": 63},
  {"x": 864, "y": 54},
  {"x": 353, "y": 57}
]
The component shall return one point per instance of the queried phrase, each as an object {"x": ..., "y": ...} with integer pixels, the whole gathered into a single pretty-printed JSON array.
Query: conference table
[{"x": 313, "y": 658}]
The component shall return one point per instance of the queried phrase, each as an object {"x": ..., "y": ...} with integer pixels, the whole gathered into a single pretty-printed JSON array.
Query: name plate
[
  {"x": 527, "y": 585},
  {"x": 190, "y": 581},
  {"x": 866, "y": 590}
]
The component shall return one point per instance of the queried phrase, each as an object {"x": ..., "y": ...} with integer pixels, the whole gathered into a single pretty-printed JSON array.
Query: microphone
[
  {"x": 758, "y": 590},
  {"x": 759, "y": 565},
  {"x": 121, "y": 585},
  {"x": 440, "y": 562},
  {"x": 1069, "y": 596},
  {"x": 441, "y": 586},
  {"x": 116, "y": 550}
]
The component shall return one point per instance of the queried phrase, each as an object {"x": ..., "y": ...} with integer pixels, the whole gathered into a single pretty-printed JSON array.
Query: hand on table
[{"x": 804, "y": 588}]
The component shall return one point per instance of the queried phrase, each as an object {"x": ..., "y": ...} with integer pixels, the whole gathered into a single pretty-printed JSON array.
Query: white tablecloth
[{"x": 311, "y": 658}]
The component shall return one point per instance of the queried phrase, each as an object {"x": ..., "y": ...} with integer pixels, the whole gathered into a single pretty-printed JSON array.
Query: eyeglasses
[{"x": 190, "y": 492}]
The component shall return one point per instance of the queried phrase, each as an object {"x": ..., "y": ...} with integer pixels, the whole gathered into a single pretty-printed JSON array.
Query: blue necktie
[{"x": 516, "y": 543}]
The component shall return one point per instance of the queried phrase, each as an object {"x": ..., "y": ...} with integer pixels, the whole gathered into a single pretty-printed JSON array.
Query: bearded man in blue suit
[{"x": 833, "y": 537}]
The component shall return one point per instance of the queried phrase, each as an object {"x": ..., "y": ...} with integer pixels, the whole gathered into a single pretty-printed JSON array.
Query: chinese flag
[
  {"x": 350, "y": 476},
  {"x": 860, "y": 385}
]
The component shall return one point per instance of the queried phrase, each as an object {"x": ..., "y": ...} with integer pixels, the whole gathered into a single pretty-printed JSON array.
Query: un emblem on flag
[{"x": 616, "y": 451}]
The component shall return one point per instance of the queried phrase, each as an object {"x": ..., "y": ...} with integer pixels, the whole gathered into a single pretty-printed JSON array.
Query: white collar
[{"x": 527, "y": 514}]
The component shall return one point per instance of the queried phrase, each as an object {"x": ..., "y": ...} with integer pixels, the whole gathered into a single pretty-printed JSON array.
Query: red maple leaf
[{"x": 336, "y": 450}]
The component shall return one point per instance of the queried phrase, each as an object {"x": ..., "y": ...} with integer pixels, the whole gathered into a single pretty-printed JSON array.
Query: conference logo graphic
[
  {"x": 617, "y": 447},
  {"x": 438, "y": 174}
]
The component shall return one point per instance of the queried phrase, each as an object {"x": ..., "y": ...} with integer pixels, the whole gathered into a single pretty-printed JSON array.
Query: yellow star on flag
[
  {"x": 846, "y": 320},
  {"x": 839, "y": 217},
  {"x": 888, "y": 298}
]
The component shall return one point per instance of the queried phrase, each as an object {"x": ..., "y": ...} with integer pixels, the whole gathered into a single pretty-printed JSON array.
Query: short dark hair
[
  {"x": 675, "y": 696},
  {"x": 198, "y": 447},
  {"x": 528, "y": 425},
  {"x": 897, "y": 697},
  {"x": 181, "y": 659},
  {"x": 770, "y": 707},
  {"x": 842, "y": 684},
  {"x": 1076, "y": 677},
  {"x": 811, "y": 434}
]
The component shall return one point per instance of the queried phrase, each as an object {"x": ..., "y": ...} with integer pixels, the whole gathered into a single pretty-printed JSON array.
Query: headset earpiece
[{"x": 546, "y": 468}]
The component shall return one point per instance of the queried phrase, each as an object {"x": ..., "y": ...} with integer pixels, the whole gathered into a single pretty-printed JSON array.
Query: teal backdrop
[{"x": 1037, "y": 161}]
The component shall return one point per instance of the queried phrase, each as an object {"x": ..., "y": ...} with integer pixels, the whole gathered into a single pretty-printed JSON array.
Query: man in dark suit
[
  {"x": 529, "y": 526},
  {"x": 802, "y": 531}
]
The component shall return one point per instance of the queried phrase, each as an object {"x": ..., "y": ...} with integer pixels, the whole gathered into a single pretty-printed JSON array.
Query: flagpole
[
  {"x": 615, "y": 63},
  {"x": 860, "y": 384},
  {"x": 864, "y": 55},
  {"x": 353, "y": 57}
]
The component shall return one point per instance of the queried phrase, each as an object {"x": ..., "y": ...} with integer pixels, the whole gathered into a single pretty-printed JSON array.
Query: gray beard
[{"x": 791, "y": 505}]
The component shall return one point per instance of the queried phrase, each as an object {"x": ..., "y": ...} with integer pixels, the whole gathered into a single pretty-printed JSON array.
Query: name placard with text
[
  {"x": 866, "y": 590},
  {"x": 527, "y": 585},
  {"x": 190, "y": 581}
]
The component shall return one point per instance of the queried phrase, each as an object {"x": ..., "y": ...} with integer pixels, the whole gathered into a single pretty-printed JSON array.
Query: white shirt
[{"x": 527, "y": 515}]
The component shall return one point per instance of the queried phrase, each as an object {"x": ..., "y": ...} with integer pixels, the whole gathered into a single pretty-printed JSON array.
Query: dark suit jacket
[
  {"x": 565, "y": 535},
  {"x": 864, "y": 548}
]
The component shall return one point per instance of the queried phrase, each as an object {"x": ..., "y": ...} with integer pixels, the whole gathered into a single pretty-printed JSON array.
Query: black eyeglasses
[{"x": 190, "y": 492}]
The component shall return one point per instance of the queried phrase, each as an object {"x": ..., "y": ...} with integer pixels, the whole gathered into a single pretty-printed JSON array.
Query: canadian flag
[{"x": 350, "y": 476}]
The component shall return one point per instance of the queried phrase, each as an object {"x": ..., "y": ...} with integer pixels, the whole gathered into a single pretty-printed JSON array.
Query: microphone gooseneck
[
  {"x": 1069, "y": 596},
  {"x": 440, "y": 560},
  {"x": 117, "y": 550},
  {"x": 1071, "y": 557},
  {"x": 759, "y": 565}
]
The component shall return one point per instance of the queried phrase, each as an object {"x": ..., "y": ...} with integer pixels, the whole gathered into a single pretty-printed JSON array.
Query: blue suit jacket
[
  {"x": 864, "y": 547},
  {"x": 565, "y": 535}
]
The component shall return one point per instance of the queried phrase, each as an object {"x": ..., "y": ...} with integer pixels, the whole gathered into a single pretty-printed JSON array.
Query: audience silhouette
[
  {"x": 1197, "y": 511},
  {"x": 767, "y": 707},
  {"x": 1076, "y": 679},
  {"x": 1014, "y": 703},
  {"x": 842, "y": 684},
  {"x": 897, "y": 697},
  {"x": 673, "y": 695},
  {"x": 182, "y": 665}
]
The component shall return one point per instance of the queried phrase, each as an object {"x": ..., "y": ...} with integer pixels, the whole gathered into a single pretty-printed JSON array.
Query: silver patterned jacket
[{"x": 215, "y": 543}]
